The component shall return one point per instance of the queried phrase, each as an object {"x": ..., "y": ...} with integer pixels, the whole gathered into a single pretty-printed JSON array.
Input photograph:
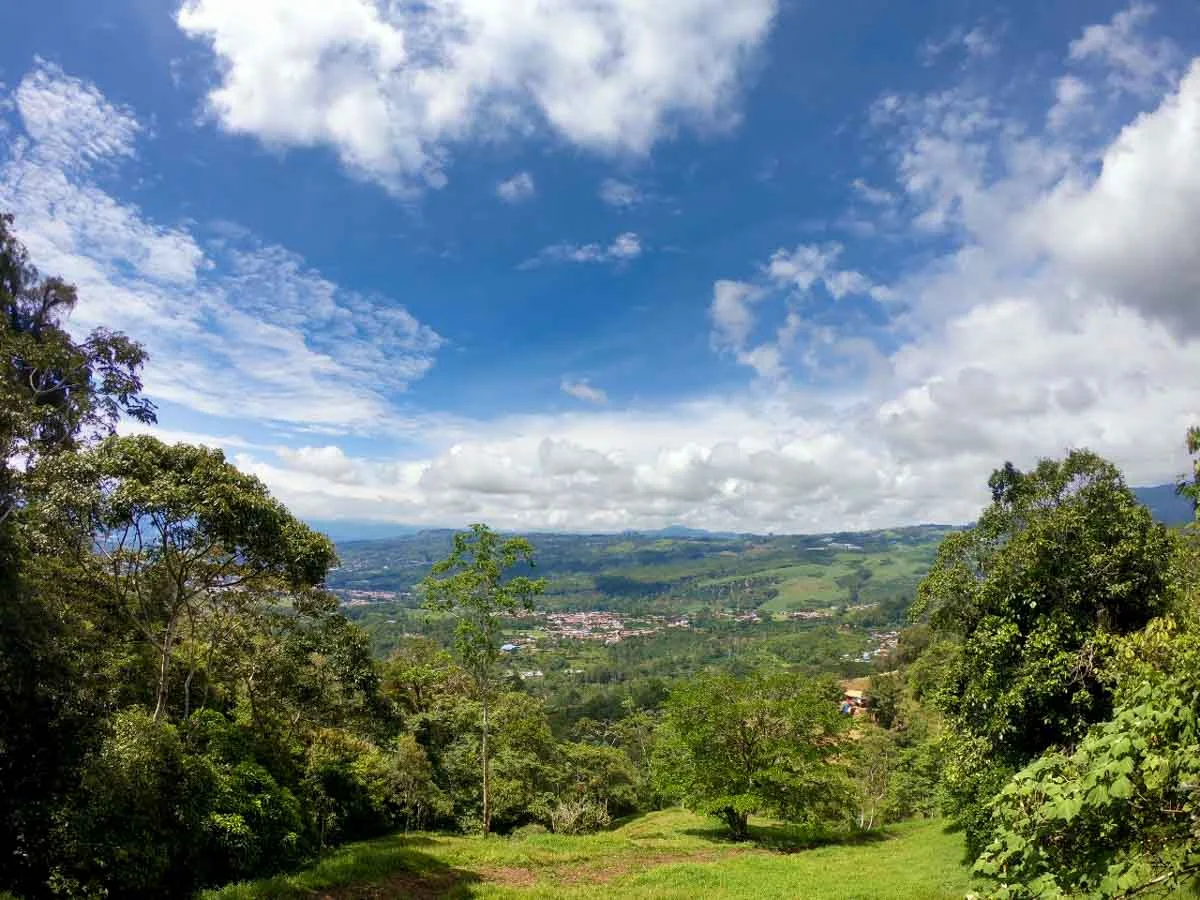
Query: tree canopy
[
  {"x": 1062, "y": 562},
  {"x": 732, "y": 747}
]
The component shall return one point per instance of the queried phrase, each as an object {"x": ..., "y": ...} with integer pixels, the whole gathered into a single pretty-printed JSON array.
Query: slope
[{"x": 668, "y": 854}]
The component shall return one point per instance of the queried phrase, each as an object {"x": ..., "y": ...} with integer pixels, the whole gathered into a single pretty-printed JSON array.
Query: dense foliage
[
  {"x": 1032, "y": 598},
  {"x": 735, "y": 747}
]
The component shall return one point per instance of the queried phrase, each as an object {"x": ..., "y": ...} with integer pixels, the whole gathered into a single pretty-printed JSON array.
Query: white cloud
[
  {"x": 1043, "y": 309},
  {"x": 624, "y": 248},
  {"x": 789, "y": 278},
  {"x": 732, "y": 313},
  {"x": 1130, "y": 232},
  {"x": 582, "y": 390},
  {"x": 392, "y": 86},
  {"x": 873, "y": 195},
  {"x": 516, "y": 189},
  {"x": 1071, "y": 94},
  {"x": 620, "y": 194},
  {"x": 975, "y": 43},
  {"x": 236, "y": 329},
  {"x": 1134, "y": 63},
  {"x": 990, "y": 387}
]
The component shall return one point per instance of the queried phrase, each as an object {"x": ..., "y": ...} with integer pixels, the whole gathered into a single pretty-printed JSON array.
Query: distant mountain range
[
  {"x": 1163, "y": 501},
  {"x": 1166, "y": 504}
]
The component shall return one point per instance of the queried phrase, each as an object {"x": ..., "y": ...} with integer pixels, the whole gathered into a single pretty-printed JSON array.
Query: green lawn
[{"x": 670, "y": 854}]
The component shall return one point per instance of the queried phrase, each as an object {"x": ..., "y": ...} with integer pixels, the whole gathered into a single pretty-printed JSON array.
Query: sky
[{"x": 596, "y": 265}]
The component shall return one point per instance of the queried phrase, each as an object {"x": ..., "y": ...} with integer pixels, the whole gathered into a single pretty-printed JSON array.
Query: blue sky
[{"x": 610, "y": 264}]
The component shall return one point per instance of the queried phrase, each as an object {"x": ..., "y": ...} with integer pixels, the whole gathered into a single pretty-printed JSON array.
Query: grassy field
[{"x": 670, "y": 854}]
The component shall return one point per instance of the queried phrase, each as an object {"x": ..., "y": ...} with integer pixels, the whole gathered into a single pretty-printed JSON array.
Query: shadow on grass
[
  {"x": 380, "y": 870},
  {"x": 784, "y": 838}
]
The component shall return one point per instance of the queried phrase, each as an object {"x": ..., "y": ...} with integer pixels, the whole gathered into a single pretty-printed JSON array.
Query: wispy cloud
[
  {"x": 620, "y": 194},
  {"x": 236, "y": 328},
  {"x": 516, "y": 189},
  {"x": 973, "y": 43},
  {"x": 623, "y": 249},
  {"x": 582, "y": 390}
]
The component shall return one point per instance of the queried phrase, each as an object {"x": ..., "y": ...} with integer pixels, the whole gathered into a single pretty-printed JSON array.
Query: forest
[{"x": 185, "y": 703}]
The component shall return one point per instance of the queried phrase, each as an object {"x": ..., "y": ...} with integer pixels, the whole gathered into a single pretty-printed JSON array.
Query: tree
[
  {"x": 179, "y": 541},
  {"x": 731, "y": 748},
  {"x": 1119, "y": 815},
  {"x": 55, "y": 392},
  {"x": 474, "y": 586},
  {"x": 1063, "y": 561},
  {"x": 876, "y": 761}
]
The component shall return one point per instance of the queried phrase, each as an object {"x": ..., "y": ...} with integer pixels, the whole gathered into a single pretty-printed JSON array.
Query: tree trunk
[
  {"x": 738, "y": 823},
  {"x": 487, "y": 781},
  {"x": 164, "y": 666}
]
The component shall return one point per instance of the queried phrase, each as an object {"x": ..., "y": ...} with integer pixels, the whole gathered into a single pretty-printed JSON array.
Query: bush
[
  {"x": 578, "y": 817},
  {"x": 144, "y": 807}
]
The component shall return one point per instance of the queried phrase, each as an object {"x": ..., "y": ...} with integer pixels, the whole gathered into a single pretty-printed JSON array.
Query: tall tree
[
  {"x": 179, "y": 541},
  {"x": 1063, "y": 560},
  {"x": 1120, "y": 815},
  {"x": 474, "y": 585},
  {"x": 55, "y": 392}
]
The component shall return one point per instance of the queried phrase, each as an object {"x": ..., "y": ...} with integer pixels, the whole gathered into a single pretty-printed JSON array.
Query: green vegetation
[
  {"x": 1033, "y": 601},
  {"x": 733, "y": 747},
  {"x": 639, "y": 574},
  {"x": 184, "y": 703},
  {"x": 663, "y": 854},
  {"x": 470, "y": 585}
]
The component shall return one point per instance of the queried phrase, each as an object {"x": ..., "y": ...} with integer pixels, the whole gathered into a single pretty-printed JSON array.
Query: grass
[{"x": 669, "y": 854}]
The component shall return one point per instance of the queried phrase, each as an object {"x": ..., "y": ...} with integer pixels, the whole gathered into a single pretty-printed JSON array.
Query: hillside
[
  {"x": 777, "y": 573},
  {"x": 669, "y": 854},
  {"x": 679, "y": 570}
]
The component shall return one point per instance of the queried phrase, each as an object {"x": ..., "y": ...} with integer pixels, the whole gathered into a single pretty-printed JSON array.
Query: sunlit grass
[{"x": 661, "y": 855}]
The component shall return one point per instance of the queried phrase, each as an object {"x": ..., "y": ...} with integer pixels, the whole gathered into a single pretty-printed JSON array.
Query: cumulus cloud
[
  {"x": 516, "y": 189},
  {"x": 391, "y": 87},
  {"x": 1129, "y": 233},
  {"x": 623, "y": 249},
  {"x": 791, "y": 279},
  {"x": 1032, "y": 316},
  {"x": 582, "y": 390},
  {"x": 235, "y": 327}
]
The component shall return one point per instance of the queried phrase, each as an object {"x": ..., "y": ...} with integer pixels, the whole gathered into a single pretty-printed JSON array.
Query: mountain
[
  {"x": 345, "y": 530},
  {"x": 1166, "y": 505}
]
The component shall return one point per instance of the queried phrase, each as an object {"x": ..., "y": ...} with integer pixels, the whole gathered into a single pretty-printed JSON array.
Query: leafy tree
[
  {"x": 601, "y": 777},
  {"x": 53, "y": 389},
  {"x": 885, "y": 693},
  {"x": 1063, "y": 561},
  {"x": 179, "y": 542},
  {"x": 474, "y": 586},
  {"x": 55, "y": 392},
  {"x": 731, "y": 747},
  {"x": 1120, "y": 815}
]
